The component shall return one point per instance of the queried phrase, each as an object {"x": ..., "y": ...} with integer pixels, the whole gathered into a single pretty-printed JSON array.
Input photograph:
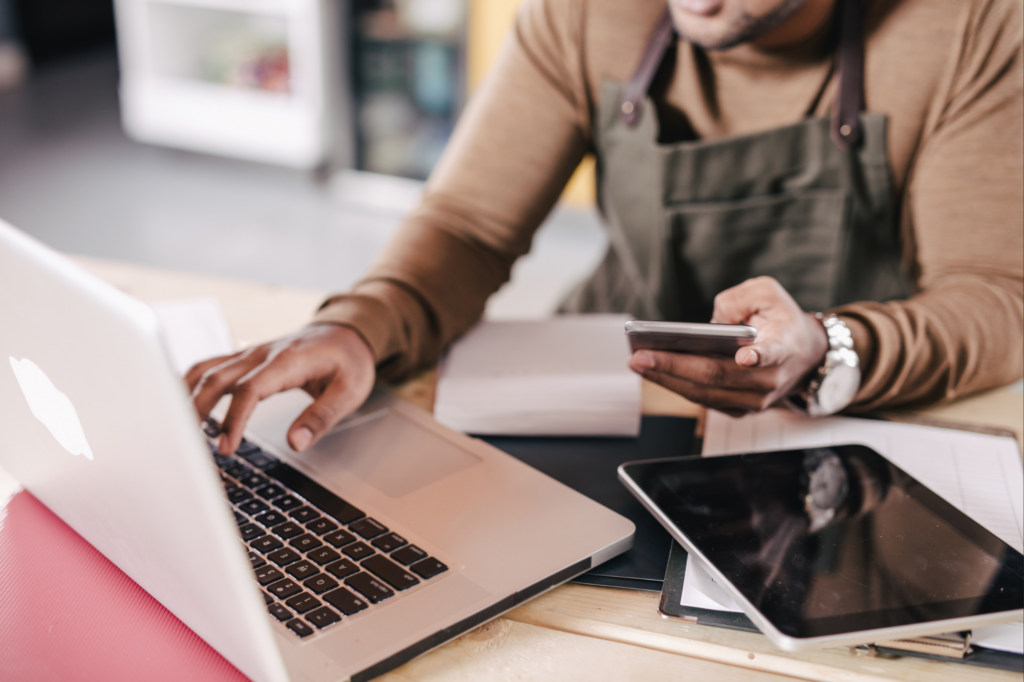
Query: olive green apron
[{"x": 810, "y": 204}]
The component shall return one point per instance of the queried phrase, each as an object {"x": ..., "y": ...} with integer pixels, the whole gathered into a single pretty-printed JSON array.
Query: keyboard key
[
  {"x": 246, "y": 448},
  {"x": 306, "y": 542},
  {"x": 369, "y": 587},
  {"x": 239, "y": 495},
  {"x": 303, "y": 602},
  {"x": 302, "y": 570},
  {"x": 321, "y": 526},
  {"x": 392, "y": 573},
  {"x": 344, "y": 601},
  {"x": 388, "y": 543},
  {"x": 269, "y": 492},
  {"x": 268, "y": 574},
  {"x": 253, "y": 507},
  {"x": 358, "y": 551},
  {"x": 287, "y": 503},
  {"x": 320, "y": 583},
  {"x": 322, "y": 617},
  {"x": 267, "y": 543},
  {"x": 323, "y": 555},
  {"x": 260, "y": 460},
  {"x": 271, "y": 518},
  {"x": 299, "y": 627},
  {"x": 240, "y": 519},
  {"x": 284, "y": 557},
  {"x": 238, "y": 470},
  {"x": 250, "y": 531},
  {"x": 341, "y": 569},
  {"x": 253, "y": 481},
  {"x": 340, "y": 538},
  {"x": 282, "y": 589},
  {"x": 428, "y": 568},
  {"x": 368, "y": 528},
  {"x": 220, "y": 460},
  {"x": 318, "y": 496},
  {"x": 211, "y": 428},
  {"x": 256, "y": 560},
  {"x": 267, "y": 599},
  {"x": 280, "y": 612},
  {"x": 288, "y": 530},
  {"x": 304, "y": 514},
  {"x": 409, "y": 555}
]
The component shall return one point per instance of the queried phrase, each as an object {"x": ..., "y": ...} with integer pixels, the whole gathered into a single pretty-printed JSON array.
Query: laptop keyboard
[{"x": 317, "y": 558}]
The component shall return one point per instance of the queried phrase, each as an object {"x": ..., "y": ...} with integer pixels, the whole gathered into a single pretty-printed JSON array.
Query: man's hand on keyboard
[{"x": 330, "y": 362}]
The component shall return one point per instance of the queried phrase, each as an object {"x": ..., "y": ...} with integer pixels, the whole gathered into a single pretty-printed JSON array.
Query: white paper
[
  {"x": 1009, "y": 637},
  {"x": 194, "y": 329},
  {"x": 700, "y": 590},
  {"x": 979, "y": 474},
  {"x": 564, "y": 376}
]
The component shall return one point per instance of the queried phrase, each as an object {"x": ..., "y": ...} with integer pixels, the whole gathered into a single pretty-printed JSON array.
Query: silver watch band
[{"x": 836, "y": 382}]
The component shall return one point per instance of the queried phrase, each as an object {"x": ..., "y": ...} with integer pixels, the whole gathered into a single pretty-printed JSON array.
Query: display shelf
[{"x": 257, "y": 79}]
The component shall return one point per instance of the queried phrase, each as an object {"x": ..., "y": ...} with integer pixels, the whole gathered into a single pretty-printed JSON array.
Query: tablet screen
[{"x": 830, "y": 540}]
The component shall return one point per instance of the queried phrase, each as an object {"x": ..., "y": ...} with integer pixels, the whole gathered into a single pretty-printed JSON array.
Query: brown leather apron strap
[
  {"x": 850, "y": 99},
  {"x": 636, "y": 89},
  {"x": 849, "y": 102}
]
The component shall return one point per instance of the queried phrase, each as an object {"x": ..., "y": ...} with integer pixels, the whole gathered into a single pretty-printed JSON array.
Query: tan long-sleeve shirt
[{"x": 948, "y": 73}]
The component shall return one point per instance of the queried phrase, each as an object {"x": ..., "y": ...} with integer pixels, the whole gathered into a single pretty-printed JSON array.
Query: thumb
[
  {"x": 762, "y": 354},
  {"x": 329, "y": 408}
]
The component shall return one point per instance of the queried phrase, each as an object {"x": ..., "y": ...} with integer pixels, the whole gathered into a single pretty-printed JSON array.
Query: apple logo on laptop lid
[{"x": 51, "y": 407}]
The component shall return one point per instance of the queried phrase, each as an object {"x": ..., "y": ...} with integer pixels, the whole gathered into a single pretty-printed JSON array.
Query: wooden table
[{"x": 573, "y": 631}]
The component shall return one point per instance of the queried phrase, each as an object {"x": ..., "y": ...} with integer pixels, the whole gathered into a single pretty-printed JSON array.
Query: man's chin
[{"x": 720, "y": 25}]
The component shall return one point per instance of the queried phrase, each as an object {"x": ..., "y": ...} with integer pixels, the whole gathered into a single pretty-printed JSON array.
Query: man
[{"x": 781, "y": 158}]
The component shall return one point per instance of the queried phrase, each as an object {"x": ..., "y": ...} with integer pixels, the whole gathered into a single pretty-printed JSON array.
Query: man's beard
[{"x": 747, "y": 28}]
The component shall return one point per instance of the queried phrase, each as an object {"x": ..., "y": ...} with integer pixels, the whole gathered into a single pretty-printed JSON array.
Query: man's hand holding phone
[{"x": 790, "y": 344}]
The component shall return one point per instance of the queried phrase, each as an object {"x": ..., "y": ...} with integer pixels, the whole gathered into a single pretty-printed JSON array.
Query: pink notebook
[{"x": 67, "y": 613}]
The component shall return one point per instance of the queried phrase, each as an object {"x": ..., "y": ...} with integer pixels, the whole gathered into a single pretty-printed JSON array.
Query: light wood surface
[{"x": 578, "y": 632}]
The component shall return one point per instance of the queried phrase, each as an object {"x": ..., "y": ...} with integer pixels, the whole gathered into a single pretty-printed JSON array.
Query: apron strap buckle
[{"x": 636, "y": 89}]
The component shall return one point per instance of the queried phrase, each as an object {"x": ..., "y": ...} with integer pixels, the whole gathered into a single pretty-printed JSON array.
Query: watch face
[{"x": 838, "y": 388}]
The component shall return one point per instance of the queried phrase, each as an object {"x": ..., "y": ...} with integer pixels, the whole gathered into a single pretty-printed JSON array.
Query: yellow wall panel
[{"x": 489, "y": 23}]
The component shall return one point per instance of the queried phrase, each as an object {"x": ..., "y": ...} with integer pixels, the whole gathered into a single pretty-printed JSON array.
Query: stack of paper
[
  {"x": 567, "y": 376},
  {"x": 979, "y": 474}
]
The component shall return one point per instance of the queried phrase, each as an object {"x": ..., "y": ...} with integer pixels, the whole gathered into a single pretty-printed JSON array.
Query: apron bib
[{"x": 810, "y": 204}]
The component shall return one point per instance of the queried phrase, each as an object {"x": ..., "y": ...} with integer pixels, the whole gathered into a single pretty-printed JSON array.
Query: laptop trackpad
[{"x": 389, "y": 452}]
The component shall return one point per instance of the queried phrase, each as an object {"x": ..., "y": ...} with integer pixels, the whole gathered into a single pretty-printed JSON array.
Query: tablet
[{"x": 832, "y": 546}]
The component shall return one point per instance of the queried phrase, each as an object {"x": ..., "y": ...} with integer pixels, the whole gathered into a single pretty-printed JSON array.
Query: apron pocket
[{"x": 794, "y": 237}]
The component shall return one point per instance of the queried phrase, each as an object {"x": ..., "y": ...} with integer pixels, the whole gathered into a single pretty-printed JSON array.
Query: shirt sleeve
[
  {"x": 964, "y": 207},
  {"x": 514, "y": 149}
]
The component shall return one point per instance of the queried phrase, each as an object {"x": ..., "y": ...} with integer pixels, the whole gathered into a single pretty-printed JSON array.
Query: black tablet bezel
[{"x": 1004, "y": 595}]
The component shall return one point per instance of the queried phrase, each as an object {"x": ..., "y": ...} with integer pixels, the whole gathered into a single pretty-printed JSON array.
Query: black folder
[{"x": 588, "y": 465}]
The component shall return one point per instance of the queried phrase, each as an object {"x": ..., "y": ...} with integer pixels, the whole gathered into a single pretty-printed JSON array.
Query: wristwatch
[{"x": 837, "y": 380}]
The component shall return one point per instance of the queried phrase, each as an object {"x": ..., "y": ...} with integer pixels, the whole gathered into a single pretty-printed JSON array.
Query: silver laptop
[{"x": 390, "y": 537}]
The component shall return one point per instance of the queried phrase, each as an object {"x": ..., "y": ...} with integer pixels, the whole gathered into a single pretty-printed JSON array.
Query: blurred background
[{"x": 276, "y": 140}]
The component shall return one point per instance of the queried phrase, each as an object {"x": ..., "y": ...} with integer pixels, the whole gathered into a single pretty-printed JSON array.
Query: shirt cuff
[{"x": 368, "y": 316}]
